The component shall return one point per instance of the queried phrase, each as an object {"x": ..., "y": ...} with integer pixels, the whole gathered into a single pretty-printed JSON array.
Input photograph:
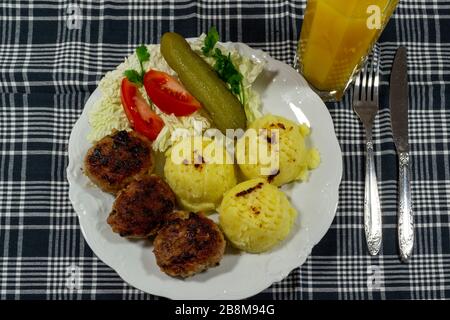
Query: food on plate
[
  {"x": 203, "y": 83},
  {"x": 295, "y": 158},
  {"x": 117, "y": 159},
  {"x": 142, "y": 208},
  {"x": 188, "y": 244},
  {"x": 197, "y": 180},
  {"x": 255, "y": 216},
  {"x": 141, "y": 117},
  {"x": 193, "y": 85}
]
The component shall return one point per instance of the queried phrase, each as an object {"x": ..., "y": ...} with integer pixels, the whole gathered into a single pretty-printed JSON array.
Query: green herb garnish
[
  {"x": 210, "y": 41},
  {"x": 224, "y": 65},
  {"x": 227, "y": 72},
  {"x": 134, "y": 76}
]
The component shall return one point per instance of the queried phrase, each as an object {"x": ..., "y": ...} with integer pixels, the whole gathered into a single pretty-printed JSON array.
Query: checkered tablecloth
[{"x": 54, "y": 52}]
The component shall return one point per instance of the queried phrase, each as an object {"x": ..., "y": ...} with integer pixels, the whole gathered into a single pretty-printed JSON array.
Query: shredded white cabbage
[{"x": 108, "y": 113}]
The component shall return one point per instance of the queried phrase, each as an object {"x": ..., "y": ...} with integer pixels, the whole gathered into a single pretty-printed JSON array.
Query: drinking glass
[{"x": 335, "y": 40}]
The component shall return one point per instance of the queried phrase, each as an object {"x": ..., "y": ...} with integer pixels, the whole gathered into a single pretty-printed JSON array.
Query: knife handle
[
  {"x": 372, "y": 210},
  {"x": 405, "y": 213}
]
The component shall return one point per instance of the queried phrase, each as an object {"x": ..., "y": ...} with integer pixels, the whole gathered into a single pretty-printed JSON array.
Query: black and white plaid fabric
[{"x": 54, "y": 52}]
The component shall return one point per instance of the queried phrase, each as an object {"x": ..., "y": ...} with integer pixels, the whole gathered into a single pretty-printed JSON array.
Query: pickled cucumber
[{"x": 203, "y": 83}]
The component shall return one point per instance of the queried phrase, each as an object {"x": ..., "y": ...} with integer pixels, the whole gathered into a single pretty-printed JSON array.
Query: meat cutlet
[
  {"x": 141, "y": 209},
  {"x": 117, "y": 159},
  {"x": 188, "y": 244}
]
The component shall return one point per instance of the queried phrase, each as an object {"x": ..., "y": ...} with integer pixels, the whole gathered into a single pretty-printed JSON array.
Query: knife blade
[{"x": 398, "y": 101}]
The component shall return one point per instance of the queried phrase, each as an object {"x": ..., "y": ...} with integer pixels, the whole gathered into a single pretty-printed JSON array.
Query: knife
[{"x": 398, "y": 101}]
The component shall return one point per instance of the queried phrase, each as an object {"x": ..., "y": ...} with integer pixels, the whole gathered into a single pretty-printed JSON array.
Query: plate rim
[{"x": 246, "y": 291}]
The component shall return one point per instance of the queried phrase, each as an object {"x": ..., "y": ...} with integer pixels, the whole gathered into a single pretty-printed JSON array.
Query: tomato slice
[
  {"x": 169, "y": 95},
  {"x": 139, "y": 114}
]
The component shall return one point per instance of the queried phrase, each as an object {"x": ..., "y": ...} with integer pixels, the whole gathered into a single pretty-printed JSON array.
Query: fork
[{"x": 365, "y": 105}]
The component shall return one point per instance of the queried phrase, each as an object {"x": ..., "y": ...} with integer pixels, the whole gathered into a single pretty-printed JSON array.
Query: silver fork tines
[{"x": 365, "y": 105}]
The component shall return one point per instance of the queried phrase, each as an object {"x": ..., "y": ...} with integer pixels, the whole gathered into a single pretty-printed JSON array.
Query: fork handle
[
  {"x": 405, "y": 213},
  {"x": 372, "y": 210}
]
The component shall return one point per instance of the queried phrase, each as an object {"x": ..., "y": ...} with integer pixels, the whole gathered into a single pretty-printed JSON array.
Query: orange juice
[{"x": 336, "y": 37}]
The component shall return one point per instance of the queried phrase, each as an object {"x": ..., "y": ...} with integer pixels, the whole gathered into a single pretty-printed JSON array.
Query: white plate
[{"x": 240, "y": 275}]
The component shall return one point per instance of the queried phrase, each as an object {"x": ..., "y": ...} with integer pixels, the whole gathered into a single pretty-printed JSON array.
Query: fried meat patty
[
  {"x": 188, "y": 244},
  {"x": 117, "y": 159},
  {"x": 141, "y": 209}
]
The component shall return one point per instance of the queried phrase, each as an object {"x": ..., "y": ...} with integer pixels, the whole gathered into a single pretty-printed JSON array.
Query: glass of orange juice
[{"x": 335, "y": 40}]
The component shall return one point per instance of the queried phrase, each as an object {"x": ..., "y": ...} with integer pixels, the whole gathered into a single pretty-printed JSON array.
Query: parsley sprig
[
  {"x": 227, "y": 72},
  {"x": 210, "y": 41},
  {"x": 223, "y": 65},
  {"x": 134, "y": 76}
]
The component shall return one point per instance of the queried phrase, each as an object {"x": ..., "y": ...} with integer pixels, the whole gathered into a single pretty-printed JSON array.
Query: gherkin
[{"x": 203, "y": 83}]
